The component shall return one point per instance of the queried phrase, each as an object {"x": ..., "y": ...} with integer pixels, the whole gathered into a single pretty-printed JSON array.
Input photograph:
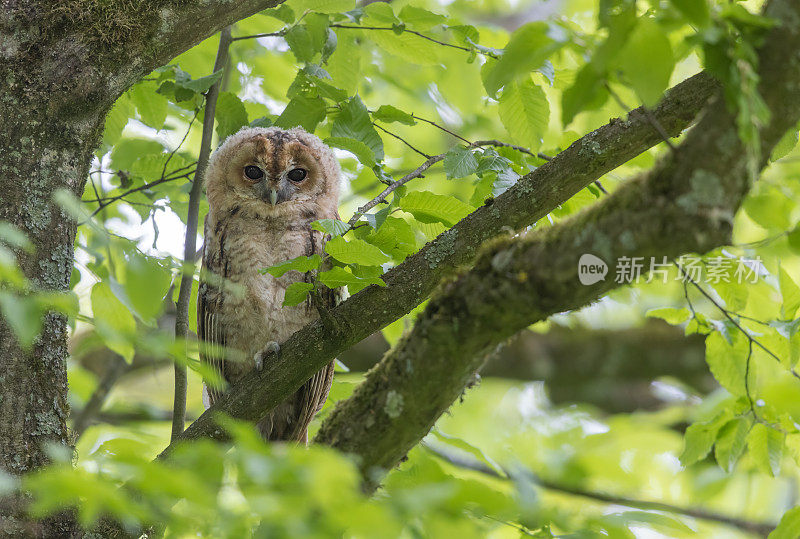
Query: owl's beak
[{"x": 273, "y": 196}]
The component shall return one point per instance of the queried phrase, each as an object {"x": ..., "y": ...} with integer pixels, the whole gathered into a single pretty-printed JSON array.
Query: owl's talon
[{"x": 272, "y": 347}]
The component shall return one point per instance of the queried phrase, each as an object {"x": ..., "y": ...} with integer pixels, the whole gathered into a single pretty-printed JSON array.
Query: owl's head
[{"x": 271, "y": 172}]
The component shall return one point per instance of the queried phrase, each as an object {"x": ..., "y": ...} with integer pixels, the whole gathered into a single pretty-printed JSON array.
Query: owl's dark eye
[
  {"x": 253, "y": 172},
  {"x": 297, "y": 174}
]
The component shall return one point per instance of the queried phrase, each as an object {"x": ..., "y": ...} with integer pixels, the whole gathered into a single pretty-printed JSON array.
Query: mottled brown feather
[{"x": 243, "y": 234}]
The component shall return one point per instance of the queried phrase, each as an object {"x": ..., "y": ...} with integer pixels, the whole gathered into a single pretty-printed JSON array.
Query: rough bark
[
  {"x": 62, "y": 66},
  {"x": 408, "y": 284},
  {"x": 685, "y": 204}
]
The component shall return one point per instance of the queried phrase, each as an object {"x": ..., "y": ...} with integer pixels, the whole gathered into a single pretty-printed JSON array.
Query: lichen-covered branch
[
  {"x": 686, "y": 203},
  {"x": 411, "y": 282}
]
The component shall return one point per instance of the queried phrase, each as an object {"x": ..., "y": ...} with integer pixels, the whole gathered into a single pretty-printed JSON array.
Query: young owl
[{"x": 265, "y": 187}]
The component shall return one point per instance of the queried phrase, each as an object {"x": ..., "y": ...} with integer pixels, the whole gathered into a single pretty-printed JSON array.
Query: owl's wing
[
  {"x": 209, "y": 329},
  {"x": 312, "y": 396}
]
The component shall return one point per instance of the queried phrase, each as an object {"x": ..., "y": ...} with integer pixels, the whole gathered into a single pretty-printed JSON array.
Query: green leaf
[
  {"x": 525, "y": 112},
  {"x": 363, "y": 153},
  {"x": 790, "y": 293},
  {"x": 338, "y": 277},
  {"x": 380, "y": 12},
  {"x": 23, "y": 315},
  {"x": 393, "y": 236},
  {"x": 407, "y": 47},
  {"x": 420, "y": 19},
  {"x": 146, "y": 284},
  {"x": 527, "y": 49},
  {"x": 670, "y": 315},
  {"x": 647, "y": 61},
  {"x": 334, "y": 227},
  {"x": 114, "y": 322},
  {"x": 695, "y": 11},
  {"x": 586, "y": 93},
  {"x": 202, "y": 84},
  {"x": 321, "y": 6},
  {"x": 151, "y": 105},
  {"x": 731, "y": 442},
  {"x": 355, "y": 251},
  {"x": 700, "y": 437},
  {"x": 300, "y": 263},
  {"x": 492, "y": 161},
  {"x": 129, "y": 150},
  {"x": 305, "y": 41},
  {"x": 344, "y": 65},
  {"x": 467, "y": 447},
  {"x": 230, "y": 115},
  {"x": 283, "y": 13},
  {"x": 766, "y": 447},
  {"x": 728, "y": 361},
  {"x": 264, "y": 121},
  {"x": 389, "y": 114},
  {"x": 785, "y": 145},
  {"x": 353, "y": 122},
  {"x": 13, "y": 236},
  {"x": 296, "y": 293},
  {"x": 770, "y": 209},
  {"x": 459, "y": 162},
  {"x": 429, "y": 207},
  {"x": 117, "y": 119},
  {"x": 664, "y": 523},
  {"x": 306, "y": 112},
  {"x": 789, "y": 526}
]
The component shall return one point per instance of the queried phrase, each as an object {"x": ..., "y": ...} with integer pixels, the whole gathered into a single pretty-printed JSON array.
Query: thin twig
[
  {"x": 498, "y": 143},
  {"x": 106, "y": 201},
  {"x": 401, "y": 139},
  {"x": 190, "y": 242},
  {"x": 279, "y": 33},
  {"x": 512, "y": 146},
  {"x": 423, "y": 36},
  {"x": 178, "y": 147},
  {"x": 442, "y": 128},
  {"x": 416, "y": 173},
  {"x": 760, "y": 528},
  {"x": 730, "y": 318}
]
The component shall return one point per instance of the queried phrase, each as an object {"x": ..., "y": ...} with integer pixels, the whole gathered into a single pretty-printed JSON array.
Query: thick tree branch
[
  {"x": 408, "y": 284},
  {"x": 685, "y": 204}
]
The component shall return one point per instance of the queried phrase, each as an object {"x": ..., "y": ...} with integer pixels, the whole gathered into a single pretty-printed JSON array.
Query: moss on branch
[
  {"x": 684, "y": 204},
  {"x": 412, "y": 281}
]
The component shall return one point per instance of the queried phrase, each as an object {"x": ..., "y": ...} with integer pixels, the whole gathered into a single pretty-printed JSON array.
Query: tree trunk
[
  {"x": 45, "y": 147},
  {"x": 62, "y": 66}
]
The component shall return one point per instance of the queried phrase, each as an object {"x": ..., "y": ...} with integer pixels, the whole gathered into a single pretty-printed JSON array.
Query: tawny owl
[{"x": 265, "y": 187}]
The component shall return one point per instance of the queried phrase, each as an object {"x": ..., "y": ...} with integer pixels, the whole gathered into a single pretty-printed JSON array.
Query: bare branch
[
  {"x": 190, "y": 243},
  {"x": 423, "y": 36},
  {"x": 416, "y": 173},
  {"x": 760, "y": 528}
]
